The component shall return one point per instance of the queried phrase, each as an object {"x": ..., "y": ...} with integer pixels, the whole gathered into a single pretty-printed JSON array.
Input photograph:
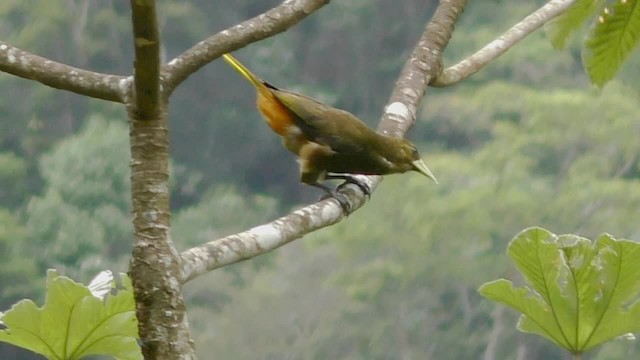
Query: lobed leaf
[
  {"x": 73, "y": 323},
  {"x": 579, "y": 294}
]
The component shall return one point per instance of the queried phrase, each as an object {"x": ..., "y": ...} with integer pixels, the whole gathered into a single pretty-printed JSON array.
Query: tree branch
[
  {"x": 264, "y": 238},
  {"x": 499, "y": 46},
  {"x": 260, "y": 27},
  {"x": 147, "y": 57},
  {"x": 423, "y": 65},
  {"x": 61, "y": 76}
]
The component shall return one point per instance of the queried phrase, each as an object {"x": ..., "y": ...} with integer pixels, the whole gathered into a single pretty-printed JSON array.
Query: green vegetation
[
  {"x": 524, "y": 142},
  {"x": 613, "y": 36},
  {"x": 579, "y": 294}
]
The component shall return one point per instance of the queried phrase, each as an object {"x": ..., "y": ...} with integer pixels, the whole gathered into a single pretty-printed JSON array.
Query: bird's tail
[{"x": 237, "y": 65}]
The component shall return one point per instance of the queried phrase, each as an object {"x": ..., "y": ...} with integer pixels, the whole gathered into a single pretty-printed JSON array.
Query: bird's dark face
[
  {"x": 405, "y": 154},
  {"x": 409, "y": 159}
]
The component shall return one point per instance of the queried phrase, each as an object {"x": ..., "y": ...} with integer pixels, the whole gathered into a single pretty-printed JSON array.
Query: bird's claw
[
  {"x": 366, "y": 190},
  {"x": 342, "y": 199}
]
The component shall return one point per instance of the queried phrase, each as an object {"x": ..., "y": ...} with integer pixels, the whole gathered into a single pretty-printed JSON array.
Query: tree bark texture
[{"x": 155, "y": 264}]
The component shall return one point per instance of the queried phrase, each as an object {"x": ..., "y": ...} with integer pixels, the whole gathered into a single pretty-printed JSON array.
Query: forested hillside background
[{"x": 524, "y": 142}]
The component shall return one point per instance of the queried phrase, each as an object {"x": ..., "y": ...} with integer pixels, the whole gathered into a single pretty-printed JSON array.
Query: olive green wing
[{"x": 320, "y": 123}]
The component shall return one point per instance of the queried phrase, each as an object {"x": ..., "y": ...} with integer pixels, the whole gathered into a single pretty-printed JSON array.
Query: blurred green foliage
[
  {"x": 523, "y": 142},
  {"x": 81, "y": 220},
  {"x": 18, "y": 268},
  {"x": 13, "y": 179}
]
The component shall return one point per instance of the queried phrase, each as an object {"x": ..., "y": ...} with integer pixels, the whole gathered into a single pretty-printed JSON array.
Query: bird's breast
[
  {"x": 359, "y": 163},
  {"x": 278, "y": 116}
]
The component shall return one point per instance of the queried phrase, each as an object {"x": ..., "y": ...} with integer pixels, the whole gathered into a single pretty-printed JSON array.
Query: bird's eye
[{"x": 414, "y": 153}]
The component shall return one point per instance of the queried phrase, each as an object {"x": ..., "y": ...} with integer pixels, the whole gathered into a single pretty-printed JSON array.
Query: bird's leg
[
  {"x": 312, "y": 173},
  {"x": 314, "y": 177},
  {"x": 348, "y": 179}
]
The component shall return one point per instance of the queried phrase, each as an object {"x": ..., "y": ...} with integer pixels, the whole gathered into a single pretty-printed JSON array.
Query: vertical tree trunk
[{"x": 155, "y": 265}]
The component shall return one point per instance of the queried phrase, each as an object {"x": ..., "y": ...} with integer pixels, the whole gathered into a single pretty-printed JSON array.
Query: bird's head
[{"x": 408, "y": 158}]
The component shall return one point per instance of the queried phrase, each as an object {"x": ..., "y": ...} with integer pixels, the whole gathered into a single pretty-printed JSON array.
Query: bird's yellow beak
[{"x": 420, "y": 167}]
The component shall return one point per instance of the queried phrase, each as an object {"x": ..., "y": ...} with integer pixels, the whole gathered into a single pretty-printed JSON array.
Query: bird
[{"x": 330, "y": 143}]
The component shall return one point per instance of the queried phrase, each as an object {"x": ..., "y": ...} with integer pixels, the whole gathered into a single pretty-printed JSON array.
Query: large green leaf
[
  {"x": 563, "y": 26},
  {"x": 74, "y": 322},
  {"x": 579, "y": 294},
  {"x": 613, "y": 36}
]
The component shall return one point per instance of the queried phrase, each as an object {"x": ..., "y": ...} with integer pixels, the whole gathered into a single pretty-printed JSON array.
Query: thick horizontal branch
[
  {"x": 264, "y": 238},
  {"x": 499, "y": 46},
  {"x": 61, "y": 76},
  {"x": 396, "y": 121},
  {"x": 260, "y": 27}
]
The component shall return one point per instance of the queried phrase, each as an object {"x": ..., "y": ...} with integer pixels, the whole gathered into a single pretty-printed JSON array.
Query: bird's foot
[
  {"x": 342, "y": 199},
  {"x": 366, "y": 190}
]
